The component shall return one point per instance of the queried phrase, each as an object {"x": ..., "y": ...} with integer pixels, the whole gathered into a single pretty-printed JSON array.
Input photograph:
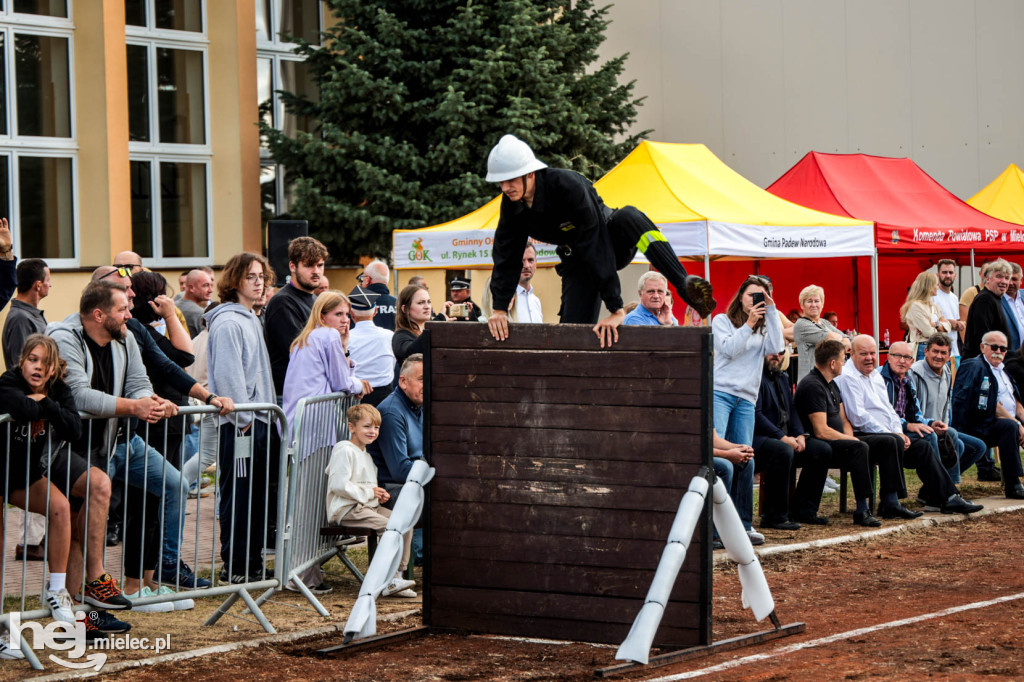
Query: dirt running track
[{"x": 833, "y": 590}]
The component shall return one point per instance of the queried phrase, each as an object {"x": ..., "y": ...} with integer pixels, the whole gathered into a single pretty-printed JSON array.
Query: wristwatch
[{"x": 210, "y": 398}]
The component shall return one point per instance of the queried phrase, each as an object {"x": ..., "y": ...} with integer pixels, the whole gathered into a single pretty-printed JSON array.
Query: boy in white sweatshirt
[{"x": 353, "y": 496}]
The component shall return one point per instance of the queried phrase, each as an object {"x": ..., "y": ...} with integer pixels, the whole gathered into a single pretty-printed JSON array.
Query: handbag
[{"x": 947, "y": 449}]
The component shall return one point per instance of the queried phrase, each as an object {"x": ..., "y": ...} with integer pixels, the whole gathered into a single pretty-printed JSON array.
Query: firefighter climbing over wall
[{"x": 594, "y": 242}]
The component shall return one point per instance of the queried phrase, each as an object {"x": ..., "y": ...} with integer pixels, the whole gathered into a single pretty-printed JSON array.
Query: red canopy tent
[{"x": 917, "y": 222}]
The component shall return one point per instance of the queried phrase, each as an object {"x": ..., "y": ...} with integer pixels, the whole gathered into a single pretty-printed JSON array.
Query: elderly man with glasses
[{"x": 987, "y": 405}]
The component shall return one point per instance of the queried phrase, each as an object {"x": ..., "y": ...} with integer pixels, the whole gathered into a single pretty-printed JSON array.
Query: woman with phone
[{"x": 747, "y": 332}]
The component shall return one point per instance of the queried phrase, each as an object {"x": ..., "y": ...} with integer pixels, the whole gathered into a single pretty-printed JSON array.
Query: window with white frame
[
  {"x": 279, "y": 68},
  {"x": 168, "y": 129},
  {"x": 38, "y": 148}
]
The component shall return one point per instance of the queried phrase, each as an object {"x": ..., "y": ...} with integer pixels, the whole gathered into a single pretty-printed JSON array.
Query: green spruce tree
[{"x": 414, "y": 93}]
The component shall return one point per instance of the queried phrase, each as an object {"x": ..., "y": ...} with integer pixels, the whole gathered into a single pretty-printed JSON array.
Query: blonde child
[{"x": 353, "y": 496}]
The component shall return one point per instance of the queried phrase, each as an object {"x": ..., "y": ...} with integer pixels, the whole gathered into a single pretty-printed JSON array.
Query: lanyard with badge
[{"x": 243, "y": 451}]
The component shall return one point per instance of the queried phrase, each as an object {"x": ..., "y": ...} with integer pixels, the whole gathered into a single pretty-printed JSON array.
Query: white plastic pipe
[
  {"x": 756, "y": 595},
  {"x": 637, "y": 645},
  {"x": 362, "y": 622}
]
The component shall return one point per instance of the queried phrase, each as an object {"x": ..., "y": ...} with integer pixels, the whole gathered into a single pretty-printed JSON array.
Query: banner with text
[
  {"x": 460, "y": 249},
  {"x": 774, "y": 241}
]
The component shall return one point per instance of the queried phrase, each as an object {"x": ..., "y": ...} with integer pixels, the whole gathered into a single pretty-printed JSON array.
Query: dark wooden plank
[
  {"x": 623, "y": 420},
  {"x": 563, "y": 579},
  {"x": 567, "y": 336},
  {"x": 556, "y": 494},
  {"x": 537, "y": 467},
  {"x": 473, "y": 545},
  {"x": 646, "y": 398},
  {"x": 686, "y": 384},
  {"x": 548, "y": 520},
  {"x": 554, "y": 628},
  {"x": 649, "y": 365},
  {"x": 633, "y": 446},
  {"x": 554, "y": 605}
]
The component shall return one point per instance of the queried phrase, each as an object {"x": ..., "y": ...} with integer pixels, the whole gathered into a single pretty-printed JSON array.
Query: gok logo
[{"x": 418, "y": 253}]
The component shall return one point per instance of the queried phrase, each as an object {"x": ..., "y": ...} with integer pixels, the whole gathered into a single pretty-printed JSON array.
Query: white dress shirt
[
  {"x": 867, "y": 401},
  {"x": 528, "y": 306},
  {"x": 369, "y": 346},
  {"x": 1005, "y": 395},
  {"x": 949, "y": 305}
]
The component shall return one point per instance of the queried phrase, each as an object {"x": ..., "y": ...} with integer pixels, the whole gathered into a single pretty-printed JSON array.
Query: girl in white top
[{"x": 920, "y": 313}]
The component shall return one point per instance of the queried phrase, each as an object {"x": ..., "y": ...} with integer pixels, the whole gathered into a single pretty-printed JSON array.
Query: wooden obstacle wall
[{"x": 560, "y": 467}]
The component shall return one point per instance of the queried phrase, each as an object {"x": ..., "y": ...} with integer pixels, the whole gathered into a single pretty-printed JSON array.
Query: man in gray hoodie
[
  {"x": 933, "y": 382},
  {"x": 238, "y": 366},
  {"x": 108, "y": 380}
]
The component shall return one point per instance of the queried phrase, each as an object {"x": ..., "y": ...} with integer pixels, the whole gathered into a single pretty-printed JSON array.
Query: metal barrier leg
[
  {"x": 247, "y": 598},
  {"x": 224, "y": 608},
  {"x": 343, "y": 555},
  {"x": 310, "y": 597}
]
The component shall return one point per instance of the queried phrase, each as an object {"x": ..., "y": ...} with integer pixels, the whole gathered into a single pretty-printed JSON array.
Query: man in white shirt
[
  {"x": 527, "y": 304},
  {"x": 949, "y": 304},
  {"x": 369, "y": 346},
  {"x": 875, "y": 421}
]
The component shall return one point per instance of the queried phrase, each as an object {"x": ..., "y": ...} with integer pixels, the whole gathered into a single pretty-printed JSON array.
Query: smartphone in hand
[{"x": 758, "y": 297}]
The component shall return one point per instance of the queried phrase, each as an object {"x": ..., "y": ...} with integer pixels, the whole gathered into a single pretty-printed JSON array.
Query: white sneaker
[
  {"x": 828, "y": 491},
  {"x": 755, "y": 537},
  {"x": 399, "y": 587},
  {"x": 60, "y": 604},
  {"x": 178, "y": 604},
  {"x": 831, "y": 483},
  {"x": 147, "y": 608},
  {"x": 6, "y": 652}
]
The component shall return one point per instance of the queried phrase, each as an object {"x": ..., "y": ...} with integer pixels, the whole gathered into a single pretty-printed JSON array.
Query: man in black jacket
[
  {"x": 986, "y": 311},
  {"x": 289, "y": 309},
  {"x": 594, "y": 242},
  {"x": 780, "y": 443},
  {"x": 375, "y": 278}
]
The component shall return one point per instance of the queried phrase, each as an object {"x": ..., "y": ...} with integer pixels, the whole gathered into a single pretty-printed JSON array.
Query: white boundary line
[{"x": 836, "y": 638}]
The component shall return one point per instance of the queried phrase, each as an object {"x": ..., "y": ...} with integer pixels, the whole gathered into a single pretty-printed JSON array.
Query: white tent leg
[
  {"x": 973, "y": 274},
  {"x": 874, "y": 294}
]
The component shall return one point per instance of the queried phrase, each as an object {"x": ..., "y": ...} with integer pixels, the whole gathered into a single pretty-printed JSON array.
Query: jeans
[
  {"x": 969, "y": 451},
  {"x": 734, "y": 421},
  {"x": 142, "y": 466}
]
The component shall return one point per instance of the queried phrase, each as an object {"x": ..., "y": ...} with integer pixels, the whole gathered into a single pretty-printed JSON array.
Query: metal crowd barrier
[
  {"x": 319, "y": 423},
  {"x": 30, "y": 581}
]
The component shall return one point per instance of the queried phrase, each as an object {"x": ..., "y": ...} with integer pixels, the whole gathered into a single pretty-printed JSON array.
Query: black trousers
[
  {"x": 248, "y": 498},
  {"x": 1003, "y": 435},
  {"x": 581, "y": 296},
  {"x": 142, "y": 531},
  {"x": 936, "y": 485},
  {"x": 377, "y": 395},
  {"x": 854, "y": 456},
  {"x": 777, "y": 460},
  {"x": 885, "y": 450}
]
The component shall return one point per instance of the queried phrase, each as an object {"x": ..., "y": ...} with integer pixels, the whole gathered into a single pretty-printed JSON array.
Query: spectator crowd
[{"x": 131, "y": 357}]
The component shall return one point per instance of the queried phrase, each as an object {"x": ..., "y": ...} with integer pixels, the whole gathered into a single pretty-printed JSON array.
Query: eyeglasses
[
  {"x": 361, "y": 278},
  {"x": 900, "y": 356},
  {"x": 252, "y": 277},
  {"x": 997, "y": 348},
  {"x": 120, "y": 271}
]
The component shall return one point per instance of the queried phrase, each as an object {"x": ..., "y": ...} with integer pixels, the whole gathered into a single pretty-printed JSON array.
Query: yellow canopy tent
[
  {"x": 1003, "y": 198},
  {"x": 705, "y": 209}
]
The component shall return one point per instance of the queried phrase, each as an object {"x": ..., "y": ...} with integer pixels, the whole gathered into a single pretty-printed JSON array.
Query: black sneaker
[
  {"x": 816, "y": 520},
  {"x": 242, "y": 578},
  {"x": 103, "y": 622},
  {"x": 958, "y": 505},
  {"x": 104, "y": 593},
  {"x": 180, "y": 575},
  {"x": 897, "y": 512},
  {"x": 992, "y": 475}
]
